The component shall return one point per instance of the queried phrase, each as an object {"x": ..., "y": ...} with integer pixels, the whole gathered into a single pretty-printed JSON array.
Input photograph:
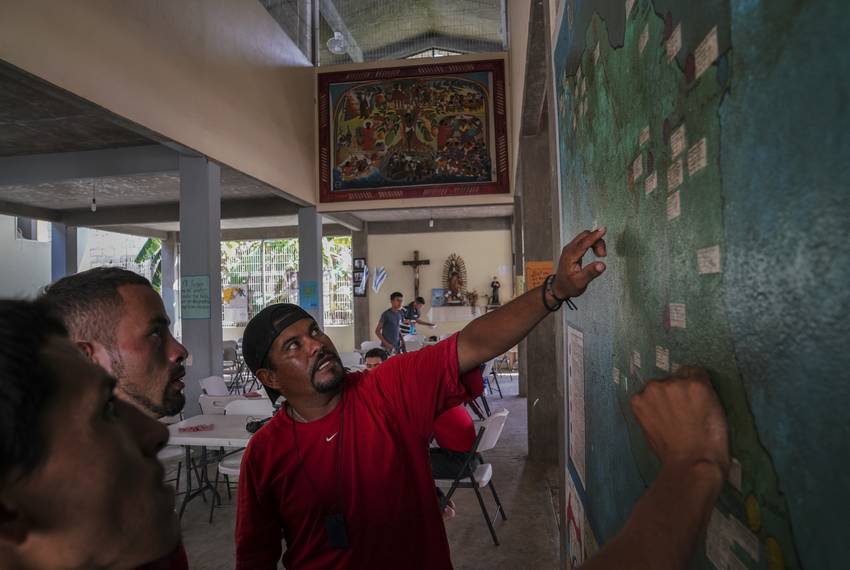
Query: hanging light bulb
[{"x": 93, "y": 199}]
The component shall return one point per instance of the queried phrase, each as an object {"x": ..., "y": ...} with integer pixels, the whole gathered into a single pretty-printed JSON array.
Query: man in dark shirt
[
  {"x": 389, "y": 325},
  {"x": 411, "y": 317}
]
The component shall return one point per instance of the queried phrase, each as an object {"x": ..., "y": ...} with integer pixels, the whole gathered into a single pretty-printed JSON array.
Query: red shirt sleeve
[
  {"x": 423, "y": 384},
  {"x": 258, "y": 534}
]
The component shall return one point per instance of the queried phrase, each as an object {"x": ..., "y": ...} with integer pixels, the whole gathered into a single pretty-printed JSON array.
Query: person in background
[
  {"x": 389, "y": 325},
  {"x": 80, "y": 484},
  {"x": 374, "y": 357},
  {"x": 118, "y": 321},
  {"x": 411, "y": 317}
]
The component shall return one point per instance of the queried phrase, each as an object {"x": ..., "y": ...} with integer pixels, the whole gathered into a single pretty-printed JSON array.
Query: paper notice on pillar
[
  {"x": 706, "y": 53},
  {"x": 234, "y": 299},
  {"x": 308, "y": 294},
  {"x": 674, "y": 43},
  {"x": 575, "y": 378},
  {"x": 678, "y": 317},
  {"x": 195, "y": 297},
  {"x": 674, "y": 206}
]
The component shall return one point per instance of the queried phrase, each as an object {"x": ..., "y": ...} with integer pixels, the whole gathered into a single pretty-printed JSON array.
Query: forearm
[
  {"x": 664, "y": 529},
  {"x": 426, "y": 323},
  {"x": 497, "y": 331}
]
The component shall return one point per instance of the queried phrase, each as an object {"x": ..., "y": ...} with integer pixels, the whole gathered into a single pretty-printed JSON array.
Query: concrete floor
[{"x": 529, "y": 538}]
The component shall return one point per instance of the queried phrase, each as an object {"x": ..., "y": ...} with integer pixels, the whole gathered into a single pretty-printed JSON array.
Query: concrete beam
[
  {"x": 350, "y": 221},
  {"x": 337, "y": 24},
  {"x": 279, "y": 232},
  {"x": 24, "y": 211},
  {"x": 43, "y": 168},
  {"x": 410, "y": 46},
  {"x": 450, "y": 225},
  {"x": 141, "y": 231},
  {"x": 170, "y": 212}
]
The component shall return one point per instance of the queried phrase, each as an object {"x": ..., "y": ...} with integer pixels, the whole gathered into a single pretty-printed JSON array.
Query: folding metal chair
[{"x": 482, "y": 474}]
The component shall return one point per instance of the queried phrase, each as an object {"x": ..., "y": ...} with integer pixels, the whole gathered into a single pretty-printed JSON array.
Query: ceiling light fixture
[
  {"x": 93, "y": 199},
  {"x": 337, "y": 44}
]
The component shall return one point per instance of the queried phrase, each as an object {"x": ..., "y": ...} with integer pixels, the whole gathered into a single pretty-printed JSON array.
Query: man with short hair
[
  {"x": 411, "y": 317},
  {"x": 117, "y": 319},
  {"x": 80, "y": 484},
  {"x": 374, "y": 357},
  {"x": 389, "y": 325}
]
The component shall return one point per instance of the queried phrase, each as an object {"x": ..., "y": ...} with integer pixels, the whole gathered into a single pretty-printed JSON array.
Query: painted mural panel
[
  {"x": 431, "y": 130},
  {"x": 665, "y": 137}
]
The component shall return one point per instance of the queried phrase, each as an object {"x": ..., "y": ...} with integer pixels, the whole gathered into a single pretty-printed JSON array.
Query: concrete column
[
  {"x": 200, "y": 272},
  {"x": 310, "y": 263},
  {"x": 517, "y": 231},
  {"x": 63, "y": 251},
  {"x": 539, "y": 358},
  {"x": 360, "y": 248},
  {"x": 167, "y": 260}
]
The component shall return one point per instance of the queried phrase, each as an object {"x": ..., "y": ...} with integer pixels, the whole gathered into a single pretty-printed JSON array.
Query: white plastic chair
[
  {"x": 350, "y": 359},
  {"x": 229, "y": 467},
  {"x": 259, "y": 407},
  {"x": 214, "y": 386},
  {"x": 214, "y": 405},
  {"x": 368, "y": 345},
  {"x": 482, "y": 476}
]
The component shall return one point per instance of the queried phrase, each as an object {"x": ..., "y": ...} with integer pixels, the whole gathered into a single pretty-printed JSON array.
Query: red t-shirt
[
  {"x": 383, "y": 485},
  {"x": 454, "y": 430}
]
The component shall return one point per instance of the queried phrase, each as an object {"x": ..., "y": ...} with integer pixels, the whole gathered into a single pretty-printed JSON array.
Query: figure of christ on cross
[{"x": 415, "y": 263}]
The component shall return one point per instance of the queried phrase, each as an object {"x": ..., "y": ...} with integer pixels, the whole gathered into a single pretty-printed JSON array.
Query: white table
[
  {"x": 228, "y": 431},
  {"x": 448, "y": 314}
]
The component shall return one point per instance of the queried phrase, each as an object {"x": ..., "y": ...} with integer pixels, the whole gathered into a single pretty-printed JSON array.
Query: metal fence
[{"x": 267, "y": 270}]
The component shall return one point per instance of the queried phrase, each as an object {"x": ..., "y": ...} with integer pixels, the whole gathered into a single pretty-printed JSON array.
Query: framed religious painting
[{"x": 436, "y": 129}]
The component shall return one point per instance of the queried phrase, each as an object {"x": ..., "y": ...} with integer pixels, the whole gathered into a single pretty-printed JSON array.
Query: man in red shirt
[{"x": 342, "y": 474}]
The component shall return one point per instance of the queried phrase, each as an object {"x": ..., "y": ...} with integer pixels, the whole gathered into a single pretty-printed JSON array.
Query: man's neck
[{"x": 313, "y": 408}]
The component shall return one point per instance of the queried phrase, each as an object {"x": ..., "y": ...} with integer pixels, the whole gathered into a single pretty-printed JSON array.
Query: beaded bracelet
[{"x": 547, "y": 288}]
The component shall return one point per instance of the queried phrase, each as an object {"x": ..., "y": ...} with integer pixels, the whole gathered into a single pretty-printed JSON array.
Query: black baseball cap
[{"x": 265, "y": 327}]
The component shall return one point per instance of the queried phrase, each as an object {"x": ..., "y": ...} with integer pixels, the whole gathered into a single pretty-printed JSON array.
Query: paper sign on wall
[
  {"x": 195, "y": 297},
  {"x": 308, "y": 294},
  {"x": 575, "y": 377},
  {"x": 536, "y": 273}
]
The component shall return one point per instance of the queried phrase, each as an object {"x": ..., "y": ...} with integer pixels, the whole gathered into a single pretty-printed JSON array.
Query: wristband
[{"x": 547, "y": 288}]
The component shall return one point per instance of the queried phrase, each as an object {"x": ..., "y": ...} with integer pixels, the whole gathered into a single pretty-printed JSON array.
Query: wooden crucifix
[{"x": 415, "y": 263}]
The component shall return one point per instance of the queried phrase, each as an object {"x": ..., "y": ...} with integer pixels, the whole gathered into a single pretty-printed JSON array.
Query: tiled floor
[{"x": 528, "y": 538}]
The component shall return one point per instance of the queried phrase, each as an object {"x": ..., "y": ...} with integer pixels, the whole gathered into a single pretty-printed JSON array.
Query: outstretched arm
[
  {"x": 686, "y": 428},
  {"x": 494, "y": 333}
]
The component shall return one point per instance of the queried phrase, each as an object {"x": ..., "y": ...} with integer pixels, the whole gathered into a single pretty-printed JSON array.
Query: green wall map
[{"x": 640, "y": 151}]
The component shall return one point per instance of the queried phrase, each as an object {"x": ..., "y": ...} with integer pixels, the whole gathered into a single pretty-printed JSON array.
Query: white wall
[
  {"x": 26, "y": 264},
  {"x": 218, "y": 76},
  {"x": 486, "y": 253}
]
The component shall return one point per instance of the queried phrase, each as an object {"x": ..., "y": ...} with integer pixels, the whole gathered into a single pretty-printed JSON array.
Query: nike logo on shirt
[{"x": 330, "y": 437}]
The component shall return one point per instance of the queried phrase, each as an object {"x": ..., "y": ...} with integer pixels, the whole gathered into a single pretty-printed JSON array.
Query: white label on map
[
  {"x": 583, "y": 87},
  {"x": 644, "y": 38},
  {"x": 637, "y": 167},
  {"x": 644, "y": 136},
  {"x": 675, "y": 175},
  {"x": 708, "y": 260},
  {"x": 677, "y": 141},
  {"x": 674, "y": 206},
  {"x": 596, "y": 53},
  {"x": 616, "y": 375},
  {"x": 697, "y": 157},
  {"x": 706, "y": 53},
  {"x": 674, "y": 43},
  {"x": 744, "y": 537},
  {"x": 629, "y": 5},
  {"x": 651, "y": 182},
  {"x": 575, "y": 376},
  {"x": 736, "y": 474},
  {"x": 662, "y": 358},
  {"x": 636, "y": 359},
  {"x": 678, "y": 318}
]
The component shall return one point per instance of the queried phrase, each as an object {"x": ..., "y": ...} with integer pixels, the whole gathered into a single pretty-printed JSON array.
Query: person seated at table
[
  {"x": 342, "y": 476},
  {"x": 80, "y": 484},
  {"x": 117, "y": 319},
  {"x": 374, "y": 357}
]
